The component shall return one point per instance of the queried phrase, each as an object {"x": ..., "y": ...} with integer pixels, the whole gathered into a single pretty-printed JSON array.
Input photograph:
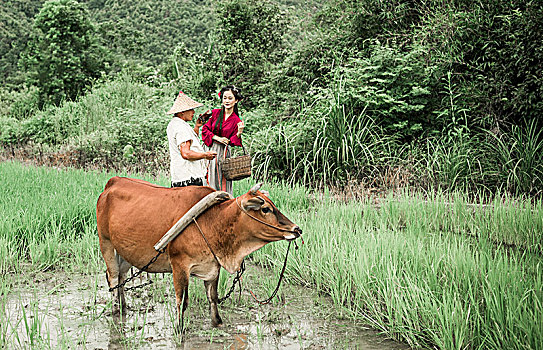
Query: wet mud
[{"x": 60, "y": 310}]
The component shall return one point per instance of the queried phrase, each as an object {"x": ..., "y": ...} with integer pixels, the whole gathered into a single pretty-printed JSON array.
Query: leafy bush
[
  {"x": 19, "y": 104},
  {"x": 43, "y": 128},
  {"x": 493, "y": 54},
  {"x": 393, "y": 87},
  {"x": 102, "y": 123},
  {"x": 511, "y": 62},
  {"x": 128, "y": 138},
  {"x": 192, "y": 72},
  {"x": 10, "y": 132},
  {"x": 291, "y": 85}
]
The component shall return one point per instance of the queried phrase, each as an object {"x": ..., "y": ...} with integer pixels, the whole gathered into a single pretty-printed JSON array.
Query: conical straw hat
[{"x": 183, "y": 103}]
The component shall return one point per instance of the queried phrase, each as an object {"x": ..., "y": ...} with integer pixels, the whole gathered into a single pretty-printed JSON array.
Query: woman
[{"x": 222, "y": 129}]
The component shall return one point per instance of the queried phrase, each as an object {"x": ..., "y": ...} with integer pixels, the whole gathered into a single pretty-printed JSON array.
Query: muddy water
[{"x": 57, "y": 310}]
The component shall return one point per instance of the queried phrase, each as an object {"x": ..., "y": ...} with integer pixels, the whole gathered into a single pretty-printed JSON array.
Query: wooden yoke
[{"x": 206, "y": 202}]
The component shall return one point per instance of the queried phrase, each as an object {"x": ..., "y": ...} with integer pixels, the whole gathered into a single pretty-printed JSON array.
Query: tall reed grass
[
  {"x": 518, "y": 158},
  {"x": 327, "y": 144}
]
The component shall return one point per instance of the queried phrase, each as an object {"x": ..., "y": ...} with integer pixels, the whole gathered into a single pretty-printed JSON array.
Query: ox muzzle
[{"x": 295, "y": 233}]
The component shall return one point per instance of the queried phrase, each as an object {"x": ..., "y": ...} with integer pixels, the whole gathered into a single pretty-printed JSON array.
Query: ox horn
[{"x": 255, "y": 188}]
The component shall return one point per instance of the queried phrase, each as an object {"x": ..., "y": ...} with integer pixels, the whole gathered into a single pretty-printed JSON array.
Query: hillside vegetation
[{"x": 365, "y": 93}]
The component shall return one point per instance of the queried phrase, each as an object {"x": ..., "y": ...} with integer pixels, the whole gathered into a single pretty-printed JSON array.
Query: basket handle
[{"x": 226, "y": 149}]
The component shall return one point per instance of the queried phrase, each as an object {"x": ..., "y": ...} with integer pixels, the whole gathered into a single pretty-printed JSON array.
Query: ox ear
[
  {"x": 255, "y": 188},
  {"x": 254, "y": 203}
]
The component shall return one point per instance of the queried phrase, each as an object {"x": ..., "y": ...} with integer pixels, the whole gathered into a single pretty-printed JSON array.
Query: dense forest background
[{"x": 427, "y": 94}]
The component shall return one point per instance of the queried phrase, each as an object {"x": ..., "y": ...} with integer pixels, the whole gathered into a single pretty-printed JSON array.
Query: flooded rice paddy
[{"x": 59, "y": 310}]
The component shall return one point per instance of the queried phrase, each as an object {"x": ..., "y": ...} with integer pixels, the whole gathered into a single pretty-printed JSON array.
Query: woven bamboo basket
[{"x": 236, "y": 168}]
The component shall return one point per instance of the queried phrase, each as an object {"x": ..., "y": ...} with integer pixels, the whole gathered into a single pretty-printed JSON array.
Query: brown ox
[{"x": 133, "y": 215}]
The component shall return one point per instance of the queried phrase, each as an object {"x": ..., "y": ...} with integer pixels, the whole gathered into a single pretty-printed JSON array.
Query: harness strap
[
  {"x": 262, "y": 222},
  {"x": 205, "y": 239},
  {"x": 237, "y": 279},
  {"x": 263, "y": 302}
]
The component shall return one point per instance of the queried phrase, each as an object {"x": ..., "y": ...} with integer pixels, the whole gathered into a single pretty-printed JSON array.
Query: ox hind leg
[
  {"x": 116, "y": 268},
  {"x": 181, "y": 286},
  {"x": 124, "y": 267},
  {"x": 213, "y": 298}
]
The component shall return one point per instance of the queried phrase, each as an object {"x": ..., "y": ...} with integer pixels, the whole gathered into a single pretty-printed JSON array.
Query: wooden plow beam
[{"x": 206, "y": 202}]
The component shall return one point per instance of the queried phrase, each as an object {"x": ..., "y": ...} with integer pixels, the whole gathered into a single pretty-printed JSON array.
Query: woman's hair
[
  {"x": 235, "y": 90},
  {"x": 238, "y": 96}
]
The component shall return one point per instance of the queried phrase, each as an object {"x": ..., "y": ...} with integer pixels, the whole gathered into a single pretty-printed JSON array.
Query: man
[{"x": 188, "y": 166}]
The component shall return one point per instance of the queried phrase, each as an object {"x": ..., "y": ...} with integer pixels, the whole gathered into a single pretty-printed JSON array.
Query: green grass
[
  {"x": 49, "y": 217},
  {"x": 432, "y": 272}
]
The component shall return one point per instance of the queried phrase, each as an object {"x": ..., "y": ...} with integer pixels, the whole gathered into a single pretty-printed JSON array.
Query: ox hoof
[{"x": 217, "y": 322}]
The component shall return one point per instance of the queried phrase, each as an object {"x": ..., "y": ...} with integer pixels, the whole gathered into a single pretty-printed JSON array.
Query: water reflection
[{"x": 79, "y": 316}]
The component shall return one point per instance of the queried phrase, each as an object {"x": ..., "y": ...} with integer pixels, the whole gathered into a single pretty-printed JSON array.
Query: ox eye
[{"x": 266, "y": 210}]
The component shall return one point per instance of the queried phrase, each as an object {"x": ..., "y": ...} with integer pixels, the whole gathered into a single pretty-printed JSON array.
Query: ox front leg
[
  {"x": 181, "y": 286},
  {"x": 213, "y": 298}
]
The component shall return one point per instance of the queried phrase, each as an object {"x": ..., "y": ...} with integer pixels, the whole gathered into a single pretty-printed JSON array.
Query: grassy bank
[{"x": 430, "y": 273}]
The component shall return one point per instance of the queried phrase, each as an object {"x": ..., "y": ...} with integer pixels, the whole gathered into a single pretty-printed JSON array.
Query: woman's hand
[
  {"x": 241, "y": 126},
  {"x": 223, "y": 140}
]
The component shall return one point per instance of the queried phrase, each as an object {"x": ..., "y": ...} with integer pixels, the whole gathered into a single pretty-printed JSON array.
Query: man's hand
[
  {"x": 210, "y": 155},
  {"x": 204, "y": 117},
  {"x": 191, "y": 155}
]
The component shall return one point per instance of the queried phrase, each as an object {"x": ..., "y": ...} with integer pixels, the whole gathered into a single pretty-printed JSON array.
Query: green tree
[
  {"x": 15, "y": 18},
  {"x": 249, "y": 42},
  {"x": 63, "y": 57}
]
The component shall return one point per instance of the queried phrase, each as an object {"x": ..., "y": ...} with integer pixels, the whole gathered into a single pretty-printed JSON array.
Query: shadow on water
[{"x": 59, "y": 310}]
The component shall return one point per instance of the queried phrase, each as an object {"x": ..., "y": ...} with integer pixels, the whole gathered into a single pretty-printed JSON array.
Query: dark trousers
[{"x": 191, "y": 182}]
